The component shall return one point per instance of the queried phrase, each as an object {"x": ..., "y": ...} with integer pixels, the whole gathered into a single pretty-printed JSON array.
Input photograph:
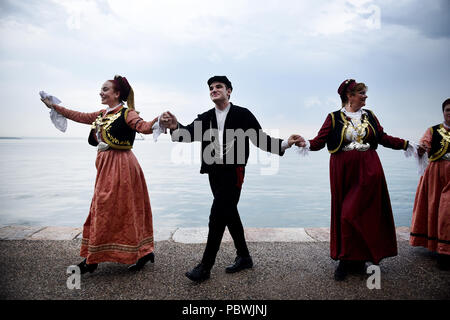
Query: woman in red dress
[
  {"x": 362, "y": 224},
  {"x": 119, "y": 227},
  {"x": 430, "y": 226}
]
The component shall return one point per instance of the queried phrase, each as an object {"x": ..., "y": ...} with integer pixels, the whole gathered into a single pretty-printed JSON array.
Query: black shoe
[
  {"x": 84, "y": 267},
  {"x": 358, "y": 267},
  {"x": 199, "y": 273},
  {"x": 240, "y": 263},
  {"x": 341, "y": 271},
  {"x": 443, "y": 261},
  {"x": 142, "y": 261}
]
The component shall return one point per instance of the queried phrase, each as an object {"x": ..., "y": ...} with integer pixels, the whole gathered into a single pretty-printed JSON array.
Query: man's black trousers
[{"x": 226, "y": 183}]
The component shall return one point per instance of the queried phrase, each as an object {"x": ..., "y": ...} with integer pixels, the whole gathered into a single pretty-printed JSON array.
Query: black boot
[
  {"x": 84, "y": 267},
  {"x": 358, "y": 267},
  {"x": 341, "y": 271},
  {"x": 199, "y": 273},
  {"x": 240, "y": 263},
  {"x": 443, "y": 261},
  {"x": 142, "y": 261}
]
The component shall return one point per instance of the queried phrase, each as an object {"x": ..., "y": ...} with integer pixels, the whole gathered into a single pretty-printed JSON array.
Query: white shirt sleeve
[{"x": 284, "y": 145}]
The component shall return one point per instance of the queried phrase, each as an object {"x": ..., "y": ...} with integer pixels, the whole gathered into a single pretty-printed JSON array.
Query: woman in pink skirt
[
  {"x": 431, "y": 214},
  {"x": 119, "y": 227}
]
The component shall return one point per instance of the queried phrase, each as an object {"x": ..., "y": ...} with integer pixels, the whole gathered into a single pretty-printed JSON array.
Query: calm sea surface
[{"x": 51, "y": 181}]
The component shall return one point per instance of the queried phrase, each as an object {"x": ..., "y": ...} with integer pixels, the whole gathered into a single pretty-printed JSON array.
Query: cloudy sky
[{"x": 285, "y": 59}]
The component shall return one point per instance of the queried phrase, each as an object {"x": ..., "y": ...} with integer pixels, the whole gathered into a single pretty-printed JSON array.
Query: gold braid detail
[{"x": 444, "y": 143}]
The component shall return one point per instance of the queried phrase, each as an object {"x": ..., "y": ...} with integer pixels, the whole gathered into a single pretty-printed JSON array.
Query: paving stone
[
  {"x": 277, "y": 235},
  {"x": 185, "y": 235},
  {"x": 56, "y": 233},
  {"x": 190, "y": 235},
  {"x": 403, "y": 233},
  {"x": 319, "y": 234},
  {"x": 196, "y": 235},
  {"x": 163, "y": 234},
  {"x": 17, "y": 232}
]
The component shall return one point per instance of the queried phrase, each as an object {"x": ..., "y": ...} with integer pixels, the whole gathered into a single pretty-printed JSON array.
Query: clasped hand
[
  {"x": 298, "y": 140},
  {"x": 422, "y": 148},
  {"x": 168, "y": 120}
]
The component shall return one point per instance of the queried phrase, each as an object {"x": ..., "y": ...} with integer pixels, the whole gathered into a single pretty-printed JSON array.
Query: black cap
[{"x": 221, "y": 79}]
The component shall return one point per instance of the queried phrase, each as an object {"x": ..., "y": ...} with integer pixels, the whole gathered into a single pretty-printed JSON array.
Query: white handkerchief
[
  {"x": 422, "y": 162},
  {"x": 58, "y": 120},
  {"x": 303, "y": 151},
  {"x": 157, "y": 129}
]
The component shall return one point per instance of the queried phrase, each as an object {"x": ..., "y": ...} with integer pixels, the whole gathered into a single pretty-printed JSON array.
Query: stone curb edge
[{"x": 184, "y": 235}]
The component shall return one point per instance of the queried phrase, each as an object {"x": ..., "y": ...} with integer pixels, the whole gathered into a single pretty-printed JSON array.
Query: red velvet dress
[
  {"x": 119, "y": 227},
  {"x": 362, "y": 224}
]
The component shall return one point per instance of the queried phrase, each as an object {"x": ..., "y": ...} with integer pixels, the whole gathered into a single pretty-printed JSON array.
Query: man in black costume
[{"x": 225, "y": 132}]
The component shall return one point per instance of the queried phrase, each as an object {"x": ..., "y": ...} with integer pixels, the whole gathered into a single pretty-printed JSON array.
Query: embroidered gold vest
[
  {"x": 114, "y": 130},
  {"x": 439, "y": 143},
  {"x": 340, "y": 124}
]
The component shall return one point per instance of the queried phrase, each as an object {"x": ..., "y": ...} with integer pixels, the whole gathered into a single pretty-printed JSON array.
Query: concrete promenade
[{"x": 289, "y": 264}]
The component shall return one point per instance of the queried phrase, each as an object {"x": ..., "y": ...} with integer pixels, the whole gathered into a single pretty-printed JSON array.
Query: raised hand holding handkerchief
[{"x": 58, "y": 120}]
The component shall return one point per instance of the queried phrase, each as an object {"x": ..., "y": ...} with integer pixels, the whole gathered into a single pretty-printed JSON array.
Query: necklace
[
  {"x": 359, "y": 122},
  {"x": 217, "y": 145}
]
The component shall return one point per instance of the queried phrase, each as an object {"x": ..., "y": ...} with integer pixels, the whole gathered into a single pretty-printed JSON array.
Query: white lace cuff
[
  {"x": 422, "y": 161},
  {"x": 284, "y": 145},
  {"x": 304, "y": 151},
  {"x": 411, "y": 150}
]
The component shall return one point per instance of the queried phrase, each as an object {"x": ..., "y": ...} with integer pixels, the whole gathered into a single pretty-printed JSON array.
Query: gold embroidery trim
[
  {"x": 113, "y": 142},
  {"x": 444, "y": 133},
  {"x": 365, "y": 123},
  {"x": 105, "y": 122},
  {"x": 373, "y": 129},
  {"x": 115, "y": 246},
  {"x": 342, "y": 133},
  {"x": 444, "y": 143},
  {"x": 105, "y": 126}
]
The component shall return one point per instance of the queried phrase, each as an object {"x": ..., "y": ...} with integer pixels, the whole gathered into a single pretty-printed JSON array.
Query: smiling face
[
  {"x": 447, "y": 114},
  {"x": 357, "y": 100},
  {"x": 219, "y": 93},
  {"x": 108, "y": 95}
]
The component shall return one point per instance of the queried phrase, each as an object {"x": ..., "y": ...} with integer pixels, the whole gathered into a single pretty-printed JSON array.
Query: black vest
[
  {"x": 114, "y": 130},
  {"x": 335, "y": 141},
  {"x": 439, "y": 146}
]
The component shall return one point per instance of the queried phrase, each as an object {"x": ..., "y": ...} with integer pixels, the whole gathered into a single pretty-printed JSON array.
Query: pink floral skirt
[
  {"x": 430, "y": 226},
  {"x": 119, "y": 227}
]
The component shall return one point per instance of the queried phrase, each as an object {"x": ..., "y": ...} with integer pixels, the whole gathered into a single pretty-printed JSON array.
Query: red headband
[{"x": 346, "y": 86}]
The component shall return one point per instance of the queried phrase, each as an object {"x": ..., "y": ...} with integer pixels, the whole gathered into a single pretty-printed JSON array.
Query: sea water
[{"x": 50, "y": 182}]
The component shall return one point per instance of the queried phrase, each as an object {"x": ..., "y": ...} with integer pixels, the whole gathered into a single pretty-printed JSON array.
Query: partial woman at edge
[{"x": 430, "y": 227}]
